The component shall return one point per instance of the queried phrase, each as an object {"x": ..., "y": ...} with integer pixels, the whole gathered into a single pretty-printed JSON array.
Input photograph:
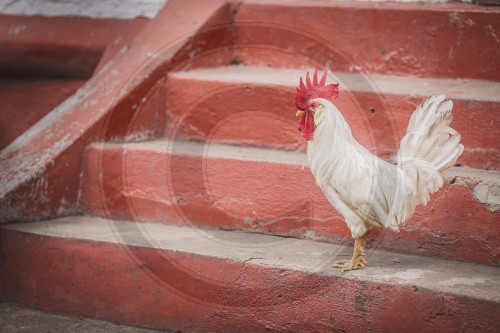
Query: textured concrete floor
[{"x": 15, "y": 319}]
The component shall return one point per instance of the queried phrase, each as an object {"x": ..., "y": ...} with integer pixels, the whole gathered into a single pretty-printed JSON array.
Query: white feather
[{"x": 370, "y": 192}]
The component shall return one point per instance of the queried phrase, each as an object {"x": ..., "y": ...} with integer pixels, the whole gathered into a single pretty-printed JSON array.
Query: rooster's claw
[{"x": 350, "y": 264}]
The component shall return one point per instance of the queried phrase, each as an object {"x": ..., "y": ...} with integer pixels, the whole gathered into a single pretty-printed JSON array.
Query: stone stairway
[{"x": 214, "y": 223}]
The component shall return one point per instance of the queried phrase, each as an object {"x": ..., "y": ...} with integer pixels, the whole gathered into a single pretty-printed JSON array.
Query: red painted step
[
  {"x": 271, "y": 191},
  {"x": 195, "y": 280},
  {"x": 454, "y": 40},
  {"x": 255, "y": 106}
]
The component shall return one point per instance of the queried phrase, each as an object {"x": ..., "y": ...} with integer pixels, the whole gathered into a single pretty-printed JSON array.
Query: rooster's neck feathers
[{"x": 334, "y": 131}]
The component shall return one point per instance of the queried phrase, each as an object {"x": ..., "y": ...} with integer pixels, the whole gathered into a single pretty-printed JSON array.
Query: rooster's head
[{"x": 309, "y": 110}]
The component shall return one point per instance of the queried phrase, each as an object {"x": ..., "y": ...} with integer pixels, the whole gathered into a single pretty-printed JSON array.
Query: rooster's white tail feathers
[
  {"x": 429, "y": 147},
  {"x": 429, "y": 136}
]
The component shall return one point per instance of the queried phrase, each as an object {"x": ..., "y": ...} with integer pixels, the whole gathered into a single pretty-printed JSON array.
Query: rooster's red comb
[{"x": 314, "y": 89}]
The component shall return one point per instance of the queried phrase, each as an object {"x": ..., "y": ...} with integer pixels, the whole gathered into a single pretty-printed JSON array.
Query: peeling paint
[
  {"x": 488, "y": 194},
  {"x": 453, "y": 18},
  {"x": 25, "y": 166},
  {"x": 491, "y": 31},
  {"x": 310, "y": 234},
  {"x": 16, "y": 29},
  {"x": 484, "y": 184},
  {"x": 65, "y": 208}
]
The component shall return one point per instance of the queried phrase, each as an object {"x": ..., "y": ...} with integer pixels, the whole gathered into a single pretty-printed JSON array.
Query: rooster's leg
[{"x": 358, "y": 257}]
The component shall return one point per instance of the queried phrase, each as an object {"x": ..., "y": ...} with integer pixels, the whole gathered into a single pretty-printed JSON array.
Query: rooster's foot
[
  {"x": 358, "y": 257},
  {"x": 350, "y": 264}
]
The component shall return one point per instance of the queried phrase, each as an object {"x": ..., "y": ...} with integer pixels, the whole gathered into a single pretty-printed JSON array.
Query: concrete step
[
  {"x": 196, "y": 280},
  {"x": 423, "y": 39},
  {"x": 272, "y": 191},
  {"x": 255, "y": 106}
]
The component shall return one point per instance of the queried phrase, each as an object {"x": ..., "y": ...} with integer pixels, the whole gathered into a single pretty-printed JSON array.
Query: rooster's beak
[{"x": 299, "y": 113}]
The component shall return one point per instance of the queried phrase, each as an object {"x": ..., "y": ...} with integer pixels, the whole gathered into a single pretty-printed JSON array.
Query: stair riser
[
  {"x": 264, "y": 115},
  {"x": 97, "y": 279},
  {"x": 432, "y": 41},
  {"x": 276, "y": 198}
]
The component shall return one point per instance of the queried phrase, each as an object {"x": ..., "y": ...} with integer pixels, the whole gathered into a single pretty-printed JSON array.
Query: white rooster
[{"x": 366, "y": 190}]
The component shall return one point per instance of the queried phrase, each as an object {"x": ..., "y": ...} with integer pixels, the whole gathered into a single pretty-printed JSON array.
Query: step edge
[
  {"x": 266, "y": 155},
  {"x": 358, "y": 82},
  {"x": 463, "y": 275}
]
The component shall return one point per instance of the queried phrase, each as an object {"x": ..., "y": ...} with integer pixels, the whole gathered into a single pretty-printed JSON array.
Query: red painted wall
[{"x": 45, "y": 60}]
